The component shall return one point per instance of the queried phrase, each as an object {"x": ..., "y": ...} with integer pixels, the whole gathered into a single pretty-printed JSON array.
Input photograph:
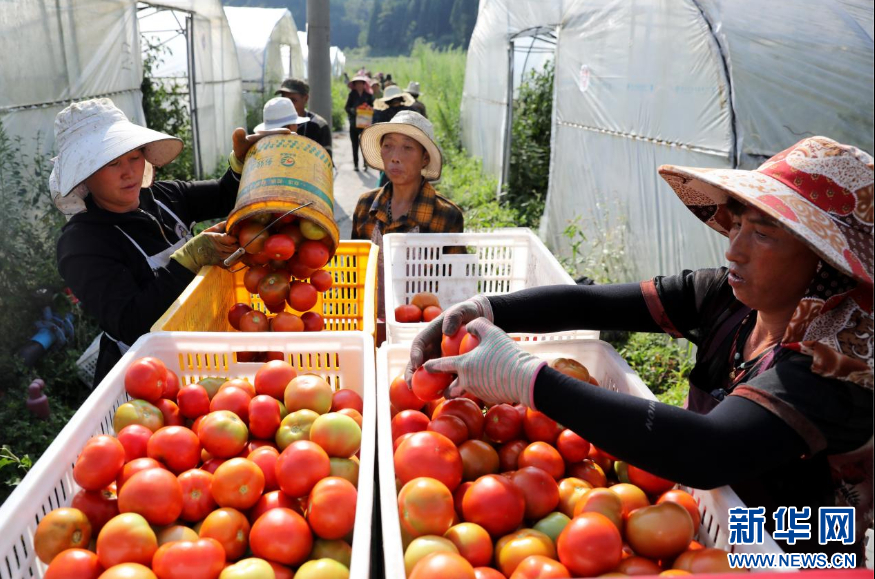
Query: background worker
[
  {"x": 317, "y": 129},
  {"x": 413, "y": 90},
  {"x": 780, "y": 400},
  {"x": 280, "y": 113},
  {"x": 358, "y": 96},
  {"x": 128, "y": 250}
]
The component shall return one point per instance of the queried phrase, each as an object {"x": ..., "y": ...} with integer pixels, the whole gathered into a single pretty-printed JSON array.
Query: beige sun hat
[
  {"x": 278, "y": 113},
  {"x": 391, "y": 93},
  {"x": 90, "y": 134},
  {"x": 413, "y": 88},
  {"x": 410, "y": 124}
]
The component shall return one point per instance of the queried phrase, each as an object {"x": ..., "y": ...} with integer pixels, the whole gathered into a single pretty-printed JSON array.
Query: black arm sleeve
[
  {"x": 701, "y": 451},
  {"x": 574, "y": 307}
]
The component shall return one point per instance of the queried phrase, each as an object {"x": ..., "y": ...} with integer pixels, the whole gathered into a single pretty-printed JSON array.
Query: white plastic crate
[
  {"x": 611, "y": 371},
  {"x": 344, "y": 359},
  {"x": 504, "y": 261},
  {"x": 87, "y": 362}
]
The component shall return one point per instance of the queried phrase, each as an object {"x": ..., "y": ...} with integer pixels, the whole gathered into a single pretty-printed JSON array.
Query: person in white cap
[
  {"x": 317, "y": 129},
  {"x": 358, "y": 96},
  {"x": 406, "y": 150},
  {"x": 280, "y": 113},
  {"x": 128, "y": 250},
  {"x": 413, "y": 90}
]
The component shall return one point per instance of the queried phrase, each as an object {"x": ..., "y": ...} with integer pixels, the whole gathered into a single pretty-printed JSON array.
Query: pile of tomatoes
[
  {"x": 284, "y": 269},
  {"x": 506, "y": 492},
  {"x": 219, "y": 479},
  {"x": 424, "y": 307}
]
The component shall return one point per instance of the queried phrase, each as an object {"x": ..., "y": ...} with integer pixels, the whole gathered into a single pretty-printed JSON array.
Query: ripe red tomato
[
  {"x": 590, "y": 545},
  {"x": 222, "y": 434},
  {"x": 171, "y": 385},
  {"x": 684, "y": 499},
  {"x": 706, "y": 561},
  {"x": 450, "y": 344},
  {"x": 170, "y": 411},
  {"x": 540, "y": 567},
  {"x": 478, "y": 459},
  {"x": 274, "y": 288},
  {"x": 571, "y": 367},
  {"x": 632, "y": 497},
  {"x": 126, "y": 538},
  {"x": 408, "y": 421},
  {"x": 660, "y": 531},
  {"x": 281, "y": 535},
  {"x": 571, "y": 446},
  {"x": 238, "y": 383},
  {"x": 509, "y": 454},
  {"x": 408, "y": 314},
  {"x": 193, "y": 401},
  {"x": 251, "y": 236},
  {"x": 237, "y": 311},
  {"x": 512, "y": 549},
  {"x": 99, "y": 462},
  {"x": 279, "y": 246},
  {"x": 254, "y": 321},
  {"x": 321, "y": 280},
  {"x": 649, "y": 483},
  {"x": 144, "y": 379},
  {"x": 308, "y": 391},
  {"x": 300, "y": 466},
  {"x": 430, "y": 312},
  {"x": 237, "y": 483},
  {"x": 346, "y": 398},
  {"x": 425, "y": 507},
  {"x": 133, "y": 467},
  {"x": 273, "y": 500},
  {"x": 402, "y": 396},
  {"x": 313, "y": 321},
  {"x": 134, "y": 437},
  {"x": 273, "y": 377},
  {"x": 98, "y": 506},
  {"x": 570, "y": 492},
  {"x": 539, "y": 489},
  {"x": 298, "y": 269},
  {"x": 636, "y": 565},
  {"x": 494, "y": 503},
  {"x": 469, "y": 342},
  {"x": 74, "y": 564},
  {"x": 230, "y": 528},
  {"x": 428, "y": 454},
  {"x": 488, "y": 573},
  {"x": 199, "y": 559},
  {"x": 331, "y": 509},
  {"x": 543, "y": 456},
  {"x": 603, "y": 501},
  {"x": 61, "y": 529},
  {"x": 588, "y": 471},
  {"x": 450, "y": 426},
  {"x": 177, "y": 447},
  {"x": 264, "y": 416},
  {"x": 274, "y": 308},
  {"x": 154, "y": 493},
  {"x": 302, "y": 296},
  {"x": 503, "y": 423},
  {"x": 430, "y": 386},
  {"x": 465, "y": 409},
  {"x": 286, "y": 322},
  {"x": 265, "y": 457},
  {"x": 540, "y": 427},
  {"x": 442, "y": 564},
  {"x": 253, "y": 277},
  {"x": 472, "y": 541},
  {"x": 197, "y": 499},
  {"x": 313, "y": 254}
]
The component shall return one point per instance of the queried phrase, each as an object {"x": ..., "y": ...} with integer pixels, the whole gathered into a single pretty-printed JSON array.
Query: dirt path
[{"x": 348, "y": 185}]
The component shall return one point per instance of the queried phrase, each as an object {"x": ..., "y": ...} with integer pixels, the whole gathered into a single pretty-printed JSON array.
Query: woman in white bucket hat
[
  {"x": 780, "y": 398},
  {"x": 128, "y": 250},
  {"x": 280, "y": 113}
]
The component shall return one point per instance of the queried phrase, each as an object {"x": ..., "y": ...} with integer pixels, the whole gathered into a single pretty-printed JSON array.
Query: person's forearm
[
  {"x": 574, "y": 307},
  {"x": 701, "y": 451}
]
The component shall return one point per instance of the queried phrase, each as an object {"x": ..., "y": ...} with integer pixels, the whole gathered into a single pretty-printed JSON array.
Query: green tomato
[
  {"x": 311, "y": 230},
  {"x": 322, "y": 569},
  {"x": 336, "y": 549},
  {"x": 212, "y": 385},
  {"x": 137, "y": 412},
  {"x": 552, "y": 524},
  {"x": 622, "y": 470},
  {"x": 252, "y": 568},
  {"x": 347, "y": 468},
  {"x": 295, "y": 427}
]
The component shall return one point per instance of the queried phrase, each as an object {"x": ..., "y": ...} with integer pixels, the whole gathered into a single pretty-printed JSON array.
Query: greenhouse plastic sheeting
[
  {"x": 651, "y": 82},
  {"x": 259, "y": 34},
  {"x": 59, "y": 51}
]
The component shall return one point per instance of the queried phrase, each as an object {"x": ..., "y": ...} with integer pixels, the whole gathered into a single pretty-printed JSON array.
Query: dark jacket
[
  {"x": 355, "y": 100},
  {"x": 317, "y": 129},
  {"x": 111, "y": 277},
  {"x": 386, "y": 115},
  {"x": 419, "y": 107}
]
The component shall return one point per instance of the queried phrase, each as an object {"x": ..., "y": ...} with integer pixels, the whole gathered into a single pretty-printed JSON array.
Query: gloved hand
[
  {"x": 496, "y": 371},
  {"x": 427, "y": 344},
  {"x": 211, "y": 247},
  {"x": 243, "y": 142}
]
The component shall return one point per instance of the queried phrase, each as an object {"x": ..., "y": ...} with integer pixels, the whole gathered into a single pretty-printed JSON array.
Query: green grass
[{"x": 663, "y": 364}]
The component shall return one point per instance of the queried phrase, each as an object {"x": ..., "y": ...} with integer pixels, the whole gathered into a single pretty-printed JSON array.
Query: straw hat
[
  {"x": 413, "y": 88},
  {"x": 358, "y": 77},
  {"x": 279, "y": 112},
  {"x": 818, "y": 189},
  {"x": 391, "y": 93},
  {"x": 90, "y": 134},
  {"x": 410, "y": 124}
]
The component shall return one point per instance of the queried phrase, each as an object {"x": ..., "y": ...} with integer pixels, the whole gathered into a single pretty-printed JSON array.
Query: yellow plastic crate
[{"x": 350, "y": 304}]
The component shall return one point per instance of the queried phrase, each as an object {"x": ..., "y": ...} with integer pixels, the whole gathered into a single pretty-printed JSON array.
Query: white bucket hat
[
  {"x": 413, "y": 88},
  {"x": 410, "y": 124},
  {"x": 90, "y": 134},
  {"x": 278, "y": 113},
  {"x": 391, "y": 93}
]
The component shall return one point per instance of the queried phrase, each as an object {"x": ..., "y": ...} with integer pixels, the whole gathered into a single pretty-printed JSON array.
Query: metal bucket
[{"x": 281, "y": 172}]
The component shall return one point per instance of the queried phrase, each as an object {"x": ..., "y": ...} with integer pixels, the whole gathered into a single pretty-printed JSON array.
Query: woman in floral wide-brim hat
[
  {"x": 780, "y": 399},
  {"x": 128, "y": 249}
]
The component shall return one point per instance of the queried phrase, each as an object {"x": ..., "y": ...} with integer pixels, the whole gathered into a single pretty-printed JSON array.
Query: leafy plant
[
  {"x": 19, "y": 466},
  {"x": 663, "y": 364},
  {"x": 339, "y": 92}
]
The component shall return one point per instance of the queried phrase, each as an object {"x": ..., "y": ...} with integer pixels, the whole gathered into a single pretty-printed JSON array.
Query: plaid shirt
[{"x": 430, "y": 213}]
